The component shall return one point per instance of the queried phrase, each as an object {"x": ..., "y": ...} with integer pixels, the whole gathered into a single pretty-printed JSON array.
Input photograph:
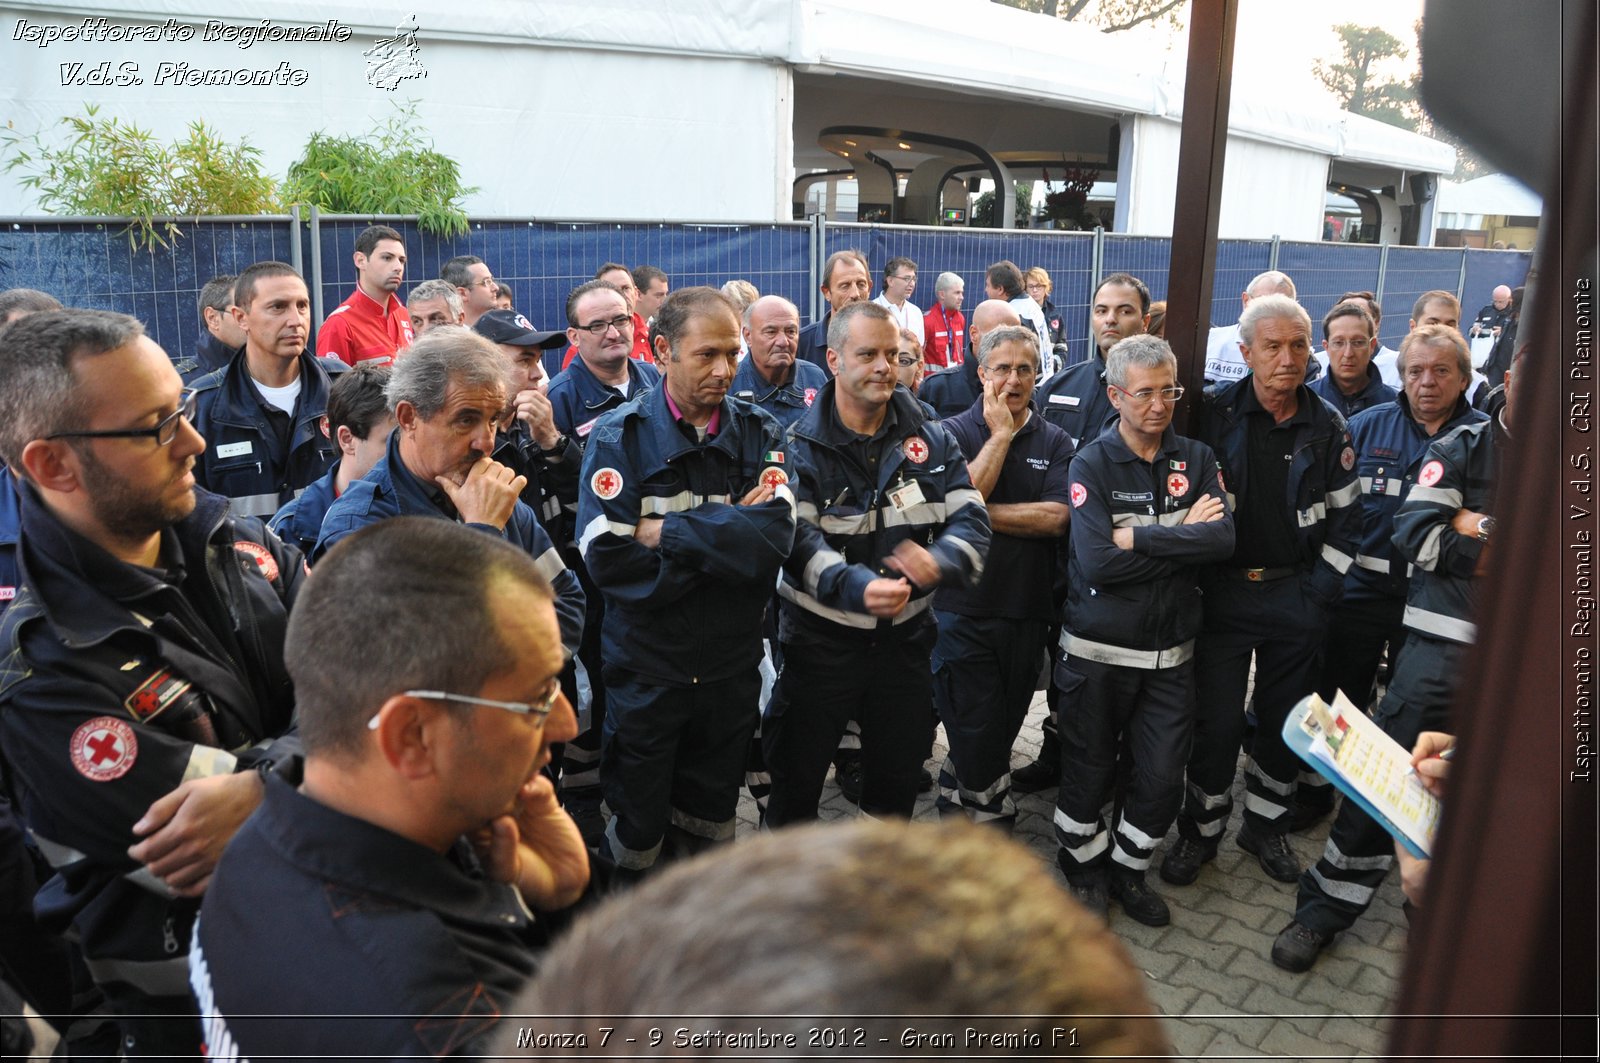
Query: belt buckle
[{"x": 1254, "y": 574}]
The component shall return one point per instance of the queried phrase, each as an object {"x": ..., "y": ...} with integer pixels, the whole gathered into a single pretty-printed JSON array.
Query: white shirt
[
  {"x": 907, "y": 316},
  {"x": 1224, "y": 363},
  {"x": 283, "y": 398}
]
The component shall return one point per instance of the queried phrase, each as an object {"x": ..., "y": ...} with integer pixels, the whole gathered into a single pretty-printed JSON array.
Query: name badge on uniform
[
  {"x": 234, "y": 450},
  {"x": 907, "y": 495},
  {"x": 1064, "y": 400}
]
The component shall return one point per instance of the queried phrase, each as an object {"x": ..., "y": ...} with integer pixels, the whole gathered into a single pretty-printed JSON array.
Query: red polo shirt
[{"x": 359, "y": 330}]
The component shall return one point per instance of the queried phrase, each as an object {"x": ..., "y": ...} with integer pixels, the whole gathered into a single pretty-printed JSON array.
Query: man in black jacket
[{"x": 144, "y": 682}]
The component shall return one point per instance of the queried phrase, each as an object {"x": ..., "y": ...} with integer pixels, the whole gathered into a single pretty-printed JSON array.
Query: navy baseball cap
[{"x": 510, "y": 327}]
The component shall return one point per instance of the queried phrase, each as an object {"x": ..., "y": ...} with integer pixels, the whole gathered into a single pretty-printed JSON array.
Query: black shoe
[
  {"x": 1143, "y": 904},
  {"x": 1310, "y": 810},
  {"x": 1298, "y": 946},
  {"x": 1088, "y": 888},
  {"x": 848, "y": 776},
  {"x": 924, "y": 782},
  {"x": 1181, "y": 865},
  {"x": 1273, "y": 853},
  {"x": 1039, "y": 775}
]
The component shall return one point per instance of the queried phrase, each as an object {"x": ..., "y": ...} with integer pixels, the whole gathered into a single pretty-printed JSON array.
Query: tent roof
[{"x": 1494, "y": 194}]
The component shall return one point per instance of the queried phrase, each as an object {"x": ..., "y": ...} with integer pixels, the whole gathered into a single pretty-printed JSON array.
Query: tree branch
[{"x": 1154, "y": 13}]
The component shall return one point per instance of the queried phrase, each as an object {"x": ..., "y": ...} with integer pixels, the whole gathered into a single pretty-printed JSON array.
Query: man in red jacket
[{"x": 371, "y": 325}]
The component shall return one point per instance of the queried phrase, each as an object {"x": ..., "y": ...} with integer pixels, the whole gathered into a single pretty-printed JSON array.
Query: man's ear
[
  {"x": 347, "y": 440},
  {"x": 663, "y": 351},
  {"x": 51, "y": 464},
  {"x": 405, "y": 416},
  {"x": 833, "y": 362},
  {"x": 408, "y": 731}
]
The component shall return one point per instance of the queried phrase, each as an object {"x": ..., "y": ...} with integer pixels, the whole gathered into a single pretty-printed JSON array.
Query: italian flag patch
[{"x": 774, "y": 457}]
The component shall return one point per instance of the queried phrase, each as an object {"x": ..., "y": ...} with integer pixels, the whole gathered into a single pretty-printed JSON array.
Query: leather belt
[{"x": 1264, "y": 575}]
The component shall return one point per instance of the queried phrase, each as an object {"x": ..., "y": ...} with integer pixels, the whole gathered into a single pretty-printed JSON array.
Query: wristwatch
[
  {"x": 1485, "y": 528},
  {"x": 555, "y": 451}
]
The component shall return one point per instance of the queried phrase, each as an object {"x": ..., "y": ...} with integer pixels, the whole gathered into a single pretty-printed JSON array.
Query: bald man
[
  {"x": 955, "y": 389},
  {"x": 1492, "y": 318}
]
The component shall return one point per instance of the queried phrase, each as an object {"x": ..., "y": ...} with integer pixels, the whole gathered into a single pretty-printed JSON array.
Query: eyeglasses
[
  {"x": 600, "y": 328},
  {"x": 1021, "y": 372},
  {"x": 490, "y": 283},
  {"x": 164, "y": 432},
  {"x": 1145, "y": 398},
  {"x": 539, "y": 710}
]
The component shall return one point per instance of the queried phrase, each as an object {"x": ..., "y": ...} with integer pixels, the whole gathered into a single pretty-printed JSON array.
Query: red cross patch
[
  {"x": 154, "y": 695},
  {"x": 103, "y": 749},
  {"x": 774, "y": 478},
  {"x": 1431, "y": 474},
  {"x": 261, "y": 556},
  {"x": 811, "y": 396},
  {"x": 1080, "y": 495},
  {"x": 1177, "y": 485},
  {"x": 322, "y": 423},
  {"x": 606, "y": 483},
  {"x": 915, "y": 449},
  {"x": 1347, "y": 458}
]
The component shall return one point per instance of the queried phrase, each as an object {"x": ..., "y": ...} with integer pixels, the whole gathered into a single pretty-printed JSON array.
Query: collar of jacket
[
  {"x": 668, "y": 439},
  {"x": 83, "y": 590},
  {"x": 593, "y": 393},
  {"x": 818, "y": 423},
  {"x": 241, "y": 402},
  {"x": 411, "y": 495}
]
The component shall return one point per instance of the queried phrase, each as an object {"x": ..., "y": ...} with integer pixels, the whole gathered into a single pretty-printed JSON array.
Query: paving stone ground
[{"x": 1209, "y": 972}]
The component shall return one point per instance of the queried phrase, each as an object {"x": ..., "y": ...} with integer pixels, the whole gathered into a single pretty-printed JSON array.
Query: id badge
[{"x": 907, "y": 495}]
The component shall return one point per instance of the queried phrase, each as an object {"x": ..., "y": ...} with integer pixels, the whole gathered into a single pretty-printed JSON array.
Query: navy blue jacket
[
  {"x": 307, "y": 898},
  {"x": 787, "y": 402},
  {"x": 102, "y": 712},
  {"x": 390, "y": 490},
  {"x": 10, "y": 535},
  {"x": 1389, "y": 445},
  {"x": 551, "y": 477},
  {"x": 814, "y": 342},
  {"x": 1461, "y": 470},
  {"x": 298, "y": 521},
  {"x": 1323, "y": 490},
  {"x": 244, "y": 459},
  {"x": 688, "y": 611},
  {"x": 950, "y": 391},
  {"x": 578, "y": 399},
  {"x": 849, "y": 524},
  {"x": 210, "y": 355},
  {"x": 1374, "y": 394},
  {"x": 1074, "y": 400},
  {"x": 1140, "y": 608}
]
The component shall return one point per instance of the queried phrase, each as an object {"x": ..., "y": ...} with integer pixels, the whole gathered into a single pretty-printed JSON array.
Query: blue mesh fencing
[{"x": 90, "y": 263}]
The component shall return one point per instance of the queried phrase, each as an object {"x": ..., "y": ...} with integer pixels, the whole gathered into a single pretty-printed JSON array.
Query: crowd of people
[{"x": 313, "y": 654}]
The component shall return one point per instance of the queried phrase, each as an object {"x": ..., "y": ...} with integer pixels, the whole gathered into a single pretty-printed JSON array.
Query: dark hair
[
  {"x": 898, "y": 263},
  {"x": 839, "y": 323},
  {"x": 645, "y": 276},
  {"x": 27, "y": 301},
  {"x": 1349, "y": 309},
  {"x": 502, "y": 288},
  {"x": 244, "y": 289},
  {"x": 1126, "y": 280},
  {"x": 1373, "y": 309},
  {"x": 584, "y": 289},
  {"x": 1437, "y": 295},
  {"x": 683, "y": 306},
  {"x": 38, "y": 382},
  {"x": 1158, "y": 319},
  {"x": 1007, "y": 277},
  {"x": 458, "y": 270},
  {"x": 847, "y": 255},
  {"x": 609, "y": 266},
  {"x": 216, "y": 295},
  {"x": 368, "y": 240},
  {"x": 356, "y": 400},
  {"x": 439, "y": 632},
  {"x": 937, "y": 920}
]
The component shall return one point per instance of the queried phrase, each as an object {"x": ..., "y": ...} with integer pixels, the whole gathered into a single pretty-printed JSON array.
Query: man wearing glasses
[
  {"x": 992, "y": 637},
  {"x": 474, "y": 282},
  {"x": 1148, "y": 512},
  {"x": 405, "y": 875},
  {"x": 146, "y": 690},
  {"x": 263, "y": 415},
  {"x": 1290, "y": 470}
]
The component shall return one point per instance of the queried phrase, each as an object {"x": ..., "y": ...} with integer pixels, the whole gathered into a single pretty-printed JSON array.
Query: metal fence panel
[
  {"x": 90, "y": 264},
  {"x": 1485, "y": 270},
  {"x": 1412, "y": 271},
  {"x": 1238, "y": 262},
  {"x": 1323, "y": 272}
]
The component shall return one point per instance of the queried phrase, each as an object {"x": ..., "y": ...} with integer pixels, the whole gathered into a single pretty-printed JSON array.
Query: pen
[{"x": 1449, "y": 754}]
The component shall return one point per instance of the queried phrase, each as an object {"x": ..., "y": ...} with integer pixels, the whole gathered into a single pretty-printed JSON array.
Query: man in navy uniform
[{"x": 772, "y": 376}]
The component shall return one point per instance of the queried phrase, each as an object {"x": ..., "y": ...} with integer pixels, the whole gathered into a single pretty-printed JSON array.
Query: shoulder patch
[
  {"x": 1080, "y": 494},
  {"x": 103, "y": 749},
  {"x": 265, "y": 562},
  {"x": 773, "y": 477},
  {"x": 1347, "y": 458},
  {"x": 1177, "y": 485},
  {"x": 1431, "y": 473},
  {"x": 606, "y": 483},
  {"x": 915, "y": 449}
]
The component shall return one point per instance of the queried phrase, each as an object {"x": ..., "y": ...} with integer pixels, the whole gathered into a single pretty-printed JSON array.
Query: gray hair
[
  {"x": 443, "y": 356},
  {"x": 1144, "y": 351},
  {"x": 946, "y": 281},
  {"x": 839, "y": 323},
  {"x": 1271, "y": 282},
  {"x": 1273, "y": 307},
  {"x": 1022, "y": 334},
  {"x": 1436, "y": 336},
  {"x": 39, "y": 392},
  {"x": 430, "y": 290}
]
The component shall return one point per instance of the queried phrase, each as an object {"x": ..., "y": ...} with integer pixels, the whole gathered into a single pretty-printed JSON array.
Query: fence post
[
  {"x": 819, "y": 256},
  {"x": 1097, "y": 265},
  {"x": 1383, "y": 270},
  {"x": 1461, "y": 281},
  {"x": 296, "y": 252},
  {"x": 1272, "y": 256},
  {"x": 316, "y": 267}
]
